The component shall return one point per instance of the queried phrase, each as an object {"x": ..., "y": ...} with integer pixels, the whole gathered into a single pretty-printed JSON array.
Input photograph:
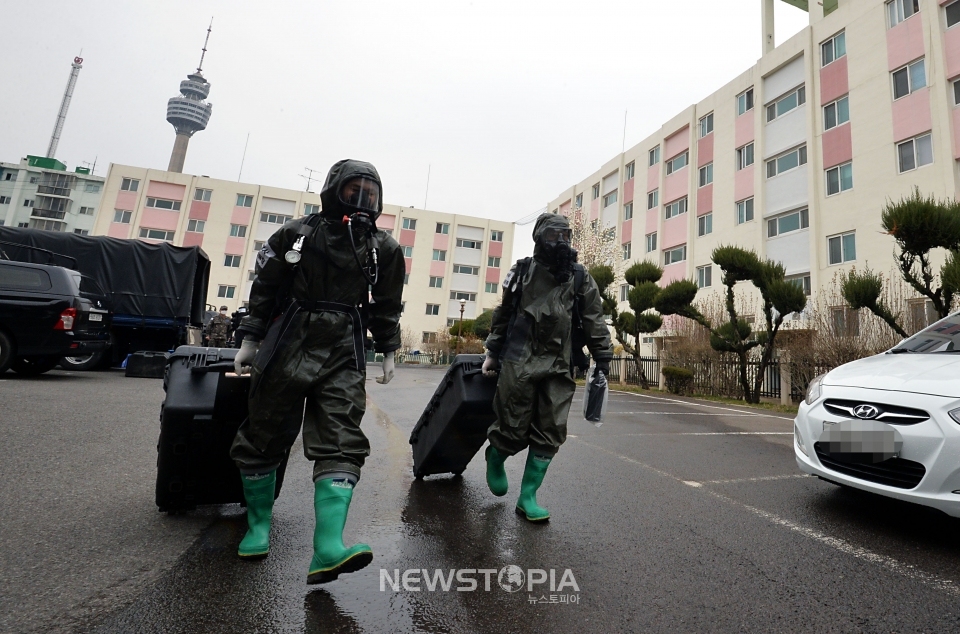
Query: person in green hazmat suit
[
  {"x": 321, "y": 282},
  {"x": 531, "y": 339}
]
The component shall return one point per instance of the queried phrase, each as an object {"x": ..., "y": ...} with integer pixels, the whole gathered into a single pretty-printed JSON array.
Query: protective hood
[
  {"x": 544, "y": 222},
  {"x": 341, "y": 172}
]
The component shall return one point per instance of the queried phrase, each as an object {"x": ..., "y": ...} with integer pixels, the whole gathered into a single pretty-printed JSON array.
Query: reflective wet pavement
[{"x": 675, "y": 515}]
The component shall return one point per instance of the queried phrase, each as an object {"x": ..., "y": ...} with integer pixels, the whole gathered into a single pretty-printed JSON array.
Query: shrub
[{"x": 679, "y": 380}]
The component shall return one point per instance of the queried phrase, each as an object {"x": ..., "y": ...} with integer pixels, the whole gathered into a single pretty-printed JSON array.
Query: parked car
[
  {"x": 46, "y": 313},
  {"x": 890, "y": 424}
]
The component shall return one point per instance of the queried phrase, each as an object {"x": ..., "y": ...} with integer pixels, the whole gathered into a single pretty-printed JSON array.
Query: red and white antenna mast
[{"x": 64, "y": 106}]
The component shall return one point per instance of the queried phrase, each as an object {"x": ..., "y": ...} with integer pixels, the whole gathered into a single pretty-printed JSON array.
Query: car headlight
[
  {"x": 955, "y": 414},
  {"x": 813, "y": 390}
]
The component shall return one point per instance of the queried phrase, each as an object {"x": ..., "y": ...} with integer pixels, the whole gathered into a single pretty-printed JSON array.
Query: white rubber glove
[
  {"x": 244, "y": 359},
  {"x": 489, "y": 366},
  {"x": 388, "y": 365}
]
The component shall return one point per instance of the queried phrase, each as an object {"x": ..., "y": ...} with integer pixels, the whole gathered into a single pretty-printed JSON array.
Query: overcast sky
[{"x": 508, "y": 102}]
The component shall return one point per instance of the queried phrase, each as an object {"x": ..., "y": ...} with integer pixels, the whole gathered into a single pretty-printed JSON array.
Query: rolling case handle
[{"x": 223, "y": 366}]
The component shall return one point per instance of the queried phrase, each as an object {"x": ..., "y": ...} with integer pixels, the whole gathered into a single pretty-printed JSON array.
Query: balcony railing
[
  {"x": 47, "y": 213},
  {"x": 50, "y": 190}
]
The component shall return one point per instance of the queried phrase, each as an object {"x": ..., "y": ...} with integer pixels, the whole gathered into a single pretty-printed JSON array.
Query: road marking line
[
  {"x": 906, "y": 570},
  {"x": 760, "y": 479},
  {"x": 695, "y": 404},
  {"x": 688, "y": 413},
  {"x": 708, "y": 433}
]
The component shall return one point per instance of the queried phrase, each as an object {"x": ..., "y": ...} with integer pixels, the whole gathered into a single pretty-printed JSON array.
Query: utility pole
[{"x": 309, "y": 176}]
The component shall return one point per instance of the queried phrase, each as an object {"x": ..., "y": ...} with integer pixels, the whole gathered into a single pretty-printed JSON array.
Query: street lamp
[{"x": 463, "y": 304}]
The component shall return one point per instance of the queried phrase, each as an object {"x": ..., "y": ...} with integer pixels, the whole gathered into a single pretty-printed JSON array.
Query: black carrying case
[
  {"x": 199, "y": 418},
  {"x": 453, "y": 427},
  {"x": 146, "y": 364}
]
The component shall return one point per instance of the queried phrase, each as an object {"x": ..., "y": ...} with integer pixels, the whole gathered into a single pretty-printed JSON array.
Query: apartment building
[
  {"x": 796, "y": 156},
  {"x": 449, "y": 257},
  {"x": 40, "y": 193}
]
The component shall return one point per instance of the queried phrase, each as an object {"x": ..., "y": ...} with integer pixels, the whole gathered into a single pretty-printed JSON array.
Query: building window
[
  {"x": 744, "y": 156},
  {"x": 674, "y": 209},
  {"x": 839, "y": 179},
  {"x": 956, "y": 93},
  {"x": 491, "y": 287},
  {"x": 82, "y": 232},
  {"x": 258, "y": 244},
  {"x": 842, "y": 248},
  {"x": 627, "y": 211},
  {"x": 953, "y": 13},
  {"x": 836, "y": 113},
  {"x": 629, "y": 171},
  {"x": 244, "y": 200},
  {"x": 238, "y": 231},
  {"x": 273, "y": 219},
  {"x": 202, "y": 195},
  {"x": 122, "y": 216},
  {"x": 233, "y": 261},
  {"x": 706, "y": 174},
  {"x": 160, "y": 203},
  {"x": 802, "y": 281},
  {"x": 195, "y": 226},
  {"x": 846, "y": 321},
  {"x": 129, "y": 184},
  {"x": 908, "y": 79},
  {"x": 251, "y": 275},
  {"x": 33, "y": 180},
  {"x": 672, "y": 256},
  {"x": 915, "y": 153},
  {"x": 310, "y": 208},
  {"x": 496, "y": 236},
  {"x": 626, "y": 250},
  {"x": 624, "y": 292},
  {"x": 704, "y": 276},
  {"x": 27, "y": 203},
  {"x": 745, "y": 101},
  {"x": 653, "y": 199},
  {"x": 458, "y": 295},
  {"x": 786, "y": 162},
  {"x": 429, "y": 337},
  {"x": 493, "y": 261},
  {"x": 900, "y": 10},
  {"x": 787, "y": 223},
  {"x": 744, "y": 211},
  {"x": 23, "y": 225},
  {"x": 407, "y": 252},
  {"x": 156, "y": 234},
  {"x": 443, "y": 228},
  {"x": 10, "y": 176},
  {"x": 833, "y": 49},
  {"x": 706, "y": 125},
  {"x": 436, "y": 282},
  {"x": 5, "y": 200},
  {"x": 705, "y": 224},
  {"x": 410, "y": 223},
  {"x": 595, "y": 191},
  {"x": 226, "y": 291},
  {"x": 653, "y": 156},
  {"x": 406, "y": 278},
  {"x": 651, "y": 240},
  {"x": 677, "y": 163},
  {"x": 469, "y": 244},
  {"x": 91, "y": 188},
  {"x": 433, "y": 309},
  {"x": 86, "y": 211},
  {"x": 609, "y": 199},
  {"x": 389, "y": 232},
  {"x": 462, "y": 269},
  {"x": 439, "y": 256},
  {"x": 792, "y": 100}
]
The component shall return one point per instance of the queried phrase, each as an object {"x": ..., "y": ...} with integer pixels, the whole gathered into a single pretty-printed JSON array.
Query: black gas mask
[
  {"x": 360, "y": 200},
  {"x": 558, "y": 253}
]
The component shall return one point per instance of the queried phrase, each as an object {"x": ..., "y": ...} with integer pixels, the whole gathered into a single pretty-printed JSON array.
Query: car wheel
[
  {"x": 6, "y": 352},
  {"x": 34, "y": 366},
  {"x": 83, "y": 362}
]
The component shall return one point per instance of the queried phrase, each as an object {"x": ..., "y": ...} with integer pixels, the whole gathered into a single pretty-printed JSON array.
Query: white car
[{"x": 890, "y": 424}]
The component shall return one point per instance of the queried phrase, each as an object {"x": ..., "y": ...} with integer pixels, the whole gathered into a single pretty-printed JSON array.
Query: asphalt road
[{"x": 675, "y": 515}]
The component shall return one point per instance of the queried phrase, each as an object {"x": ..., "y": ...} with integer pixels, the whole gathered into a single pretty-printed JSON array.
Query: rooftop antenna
[
  {"x": 244, "y": 157},
  {"x": 204, "y": 49},
  {"x": 309, "y": 177},
  {"x": 427, "y": 192},
  {"x": 65, "y": 105},
  {"x": 92, "y": 166}
]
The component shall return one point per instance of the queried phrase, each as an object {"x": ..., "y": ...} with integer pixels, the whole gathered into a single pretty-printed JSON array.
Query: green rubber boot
[
  {"x": 330, "y": 557},
  {"x": 259, "y": 492},
  {"x": 496, "y": 474},
  {"x": 533, "y": 473}
]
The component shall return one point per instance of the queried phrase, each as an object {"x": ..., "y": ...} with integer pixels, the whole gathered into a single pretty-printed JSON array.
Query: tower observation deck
[{"x": 189, "y": 113}]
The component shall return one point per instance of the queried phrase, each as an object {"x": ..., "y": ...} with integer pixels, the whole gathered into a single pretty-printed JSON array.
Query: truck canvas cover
[{"x": 140, "y": 278}]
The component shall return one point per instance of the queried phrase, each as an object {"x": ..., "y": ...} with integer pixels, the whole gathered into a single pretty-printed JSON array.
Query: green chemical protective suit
[{"x": 533, "y": 341}]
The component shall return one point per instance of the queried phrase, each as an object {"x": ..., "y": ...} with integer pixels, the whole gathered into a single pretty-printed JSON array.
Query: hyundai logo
[{"x": 866, "y": 411}]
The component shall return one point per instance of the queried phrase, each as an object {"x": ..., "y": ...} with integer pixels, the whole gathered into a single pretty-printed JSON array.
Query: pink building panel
[
  {"x": 905, "y": 42},
  {"x": 565, "y": 209},
  {"x": 674, "y": 232},
  {"x": 744, "y": 132},
  {"x": 192, "y": 239},
  {"x": 833, "y": 81},
  {"x": 118, "y": 230},
  {"x": 705, "y": 150},
  {"x": 911, "y": 115},
  {"x": 386, "y": 221},
  {"x": 595, "y": 206},
  {"x": 493, "y": 275},
  {"x": 495, "y": 249},
  {"x": 837, "y": 146},
  {"x": 160, "y": 219},
  {"x": 675, "y": 186},
  {"x": 673, "y": 272},
  {"x": 241, "y": 216},
  {"x": 651, "y": 223},
  {"x": 126, "y": 201},
  {"x": 595, "y": 212},
  {"x": 441, "y": 241},
  {"x": 170, "y": 191},
  {"x": 705, "y": 199},
  {"x": 199, "y": 210},
  {"x": 678, "y": 142},
  {"x": 653, "y": 177},
  {"x": 956, "y": 133},
  {"x": 407, "y": 237},
  {"x": 628, "y": 190},
  {"x": 437, "y": 268},
  {"x": 407, "y": 264},
  {"x": 626, "y": 233},
  {"x": 951, "y": 49},
  {"x": 743, "y": 183},
  {"x": 235, "y": 245}
]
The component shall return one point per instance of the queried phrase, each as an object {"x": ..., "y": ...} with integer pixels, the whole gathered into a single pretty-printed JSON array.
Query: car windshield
[{"x": 943, "y": 336}]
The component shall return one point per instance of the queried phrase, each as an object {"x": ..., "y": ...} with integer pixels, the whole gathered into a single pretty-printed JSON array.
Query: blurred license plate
[{"x": 96, "y": 317}]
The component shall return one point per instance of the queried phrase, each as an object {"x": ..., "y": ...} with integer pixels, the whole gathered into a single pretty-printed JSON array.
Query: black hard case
[
  {"x": 454, "y": 425},
  {"x": 146, "y": 364},
  {"x": 199, "y": 419}
]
